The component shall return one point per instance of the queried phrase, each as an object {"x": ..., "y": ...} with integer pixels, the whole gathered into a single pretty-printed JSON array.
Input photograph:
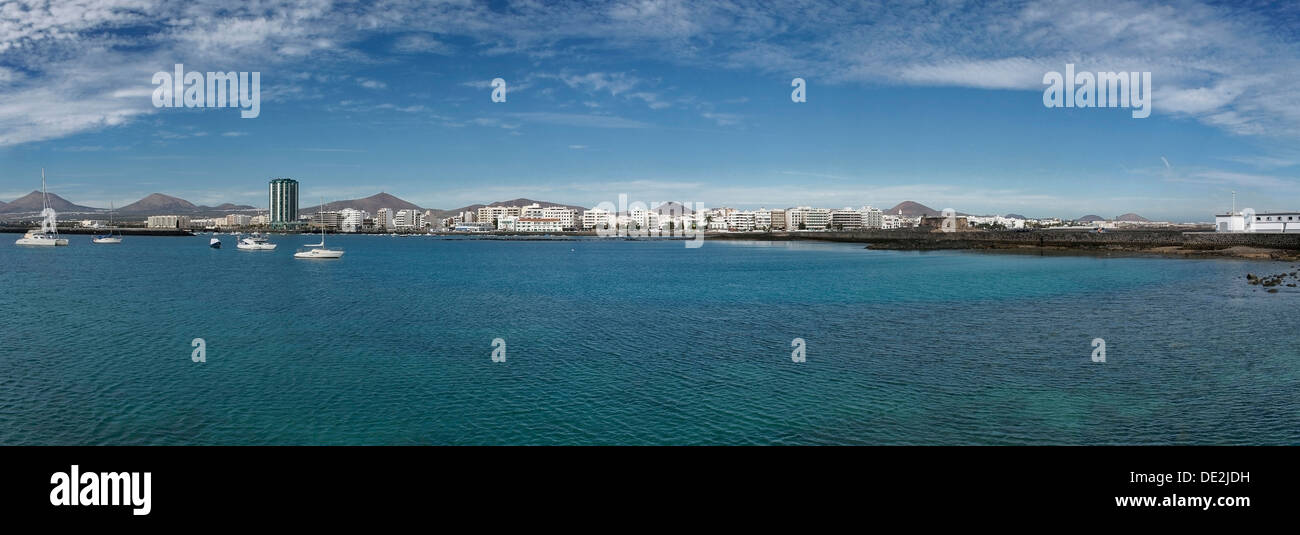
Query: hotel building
[{"x": 283, "y": 201}]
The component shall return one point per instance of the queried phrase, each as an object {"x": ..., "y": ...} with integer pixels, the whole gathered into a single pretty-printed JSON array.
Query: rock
[
  {"x": 1292, "y": 285},
  {"x": 1251, "y": 276},
  {"x": 1272, "y": 290}
]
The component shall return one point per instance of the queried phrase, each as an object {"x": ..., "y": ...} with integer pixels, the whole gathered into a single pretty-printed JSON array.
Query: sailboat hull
[
  {"x": 106, "y": 240},
  {"x": 319, "y": 253}
]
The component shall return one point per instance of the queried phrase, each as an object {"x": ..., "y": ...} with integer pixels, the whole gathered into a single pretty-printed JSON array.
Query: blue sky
[{"x": 662, "y": 100}]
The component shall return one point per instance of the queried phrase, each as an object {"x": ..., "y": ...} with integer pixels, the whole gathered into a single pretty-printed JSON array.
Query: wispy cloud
[{"x": 579, "y": 120}]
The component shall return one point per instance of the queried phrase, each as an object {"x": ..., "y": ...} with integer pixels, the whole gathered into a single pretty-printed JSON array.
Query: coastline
[{"x": 1163, "y": 243}]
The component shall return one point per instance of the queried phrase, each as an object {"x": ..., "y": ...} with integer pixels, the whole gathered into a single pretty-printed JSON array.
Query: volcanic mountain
[
  {"x": 370, "y": 204},
  {"x": 913, "y": 209},
  {"x": 1015, "y": 216},
  {"x": 515, "y": 202},
  {"x": 157, "y": 203},
  {"x": 32, "y": 203},
  {"x": 1091, "y": 218},
  {"x": 1132, "y": 217}
]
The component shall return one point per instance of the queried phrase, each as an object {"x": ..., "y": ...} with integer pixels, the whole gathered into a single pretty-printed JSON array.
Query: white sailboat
[
  {"x": 318, "y": 250},
  {"x": 108, "y": 238},
  {"x": 48, "y": 236}
]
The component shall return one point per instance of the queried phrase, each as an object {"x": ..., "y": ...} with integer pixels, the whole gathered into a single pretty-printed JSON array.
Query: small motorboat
[
  {"x": 214, "y": 243},
  {"x": 255, "y": 243}
]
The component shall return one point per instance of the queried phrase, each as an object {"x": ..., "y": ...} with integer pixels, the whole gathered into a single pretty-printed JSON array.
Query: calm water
[{"x": 619, "y": 342}]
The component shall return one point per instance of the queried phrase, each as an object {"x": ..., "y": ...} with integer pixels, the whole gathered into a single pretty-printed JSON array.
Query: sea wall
[{"x": 1075, "y": 239}]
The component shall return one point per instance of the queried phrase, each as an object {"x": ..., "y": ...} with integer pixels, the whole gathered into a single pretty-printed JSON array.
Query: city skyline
[{"x": 663, "y": 101}]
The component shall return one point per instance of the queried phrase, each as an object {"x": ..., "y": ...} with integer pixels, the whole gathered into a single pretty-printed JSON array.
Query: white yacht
[
  {"x": 48, "y": 235},
  {"x": 256, "y": 242},
  {"x": 318, "y": 250},
  {"x": 108, "y": 238}
]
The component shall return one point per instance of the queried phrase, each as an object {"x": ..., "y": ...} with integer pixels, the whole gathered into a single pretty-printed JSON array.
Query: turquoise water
[{"x": 624, "y": 342}]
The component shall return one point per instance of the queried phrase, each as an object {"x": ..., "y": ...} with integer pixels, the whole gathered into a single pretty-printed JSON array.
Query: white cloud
[
  {"x": 580, "y": 120},
  {"x": 1229, "y": 67}
]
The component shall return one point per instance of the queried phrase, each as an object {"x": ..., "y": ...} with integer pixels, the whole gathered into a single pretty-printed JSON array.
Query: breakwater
[
  {"x": 95, "y": 231},
  {"x": 1154, "y": 241}
]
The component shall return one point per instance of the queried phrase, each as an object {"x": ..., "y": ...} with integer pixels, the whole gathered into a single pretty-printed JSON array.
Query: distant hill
[
  {"x": 32, "y": 203},
  {"x": 229, "y": 207},
  {"x": 672, "y": 207},
  {"x": 1091, "y": 218},
  {"x": 1132, "y": 217},
  {"x": 370, "y": 204},
  {"x": 913, "y": 209},
  {"x": 159, "y": 204},
  {"x": 1015, "y": 216},
  {"x": 514, "y": 202}
]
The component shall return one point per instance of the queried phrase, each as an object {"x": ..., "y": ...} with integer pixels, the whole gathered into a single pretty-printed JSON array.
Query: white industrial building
[{"x": 1263, "y": 222}]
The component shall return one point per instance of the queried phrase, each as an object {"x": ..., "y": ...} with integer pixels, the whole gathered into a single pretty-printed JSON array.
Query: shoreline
[{"x": 1161, "y": 243}]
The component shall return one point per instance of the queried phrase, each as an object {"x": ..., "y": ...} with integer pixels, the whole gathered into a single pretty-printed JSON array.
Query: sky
[{"x": 936, "y": 102}]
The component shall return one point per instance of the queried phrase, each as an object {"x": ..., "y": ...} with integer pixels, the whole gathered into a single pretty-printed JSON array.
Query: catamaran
[
  {"x": 48, "y": 236},
  {"x": 109, "y": 238},
  {"x": 318, "y": 249}
]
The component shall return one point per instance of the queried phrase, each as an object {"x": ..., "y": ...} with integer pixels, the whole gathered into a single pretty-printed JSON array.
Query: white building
[
  {"x": 168, "y": 221},
  {"x": 491, "y": 214},
  {"x": 539, "y": 224},
  {"x": 473, "y": 227},
  {"x": 817, "y": 218},
  {"x": 568, "y": 216},
  {"x": 383, "y": 219},
  {"x": 352, "y": 219},
  {"x": 1262, "y": 222},
  {"x": 779, "y": 220},
  {"x": 740, "y": 221},
  {"x": 891, "y": 221},
  {"x": 408, "y": 219},
  {"x": 596, "y": 217},
  {"x": 872, "y": 217},
  {"x": 846, "y": 219}
]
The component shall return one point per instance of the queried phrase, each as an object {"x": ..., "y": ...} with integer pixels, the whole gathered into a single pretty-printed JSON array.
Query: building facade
[
  {"x": 168, "y": 221},
  {"x": 283, "y": 201}
]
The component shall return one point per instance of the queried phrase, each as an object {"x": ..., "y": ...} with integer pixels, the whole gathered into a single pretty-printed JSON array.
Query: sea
[{"x": 589, "y": 341}]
